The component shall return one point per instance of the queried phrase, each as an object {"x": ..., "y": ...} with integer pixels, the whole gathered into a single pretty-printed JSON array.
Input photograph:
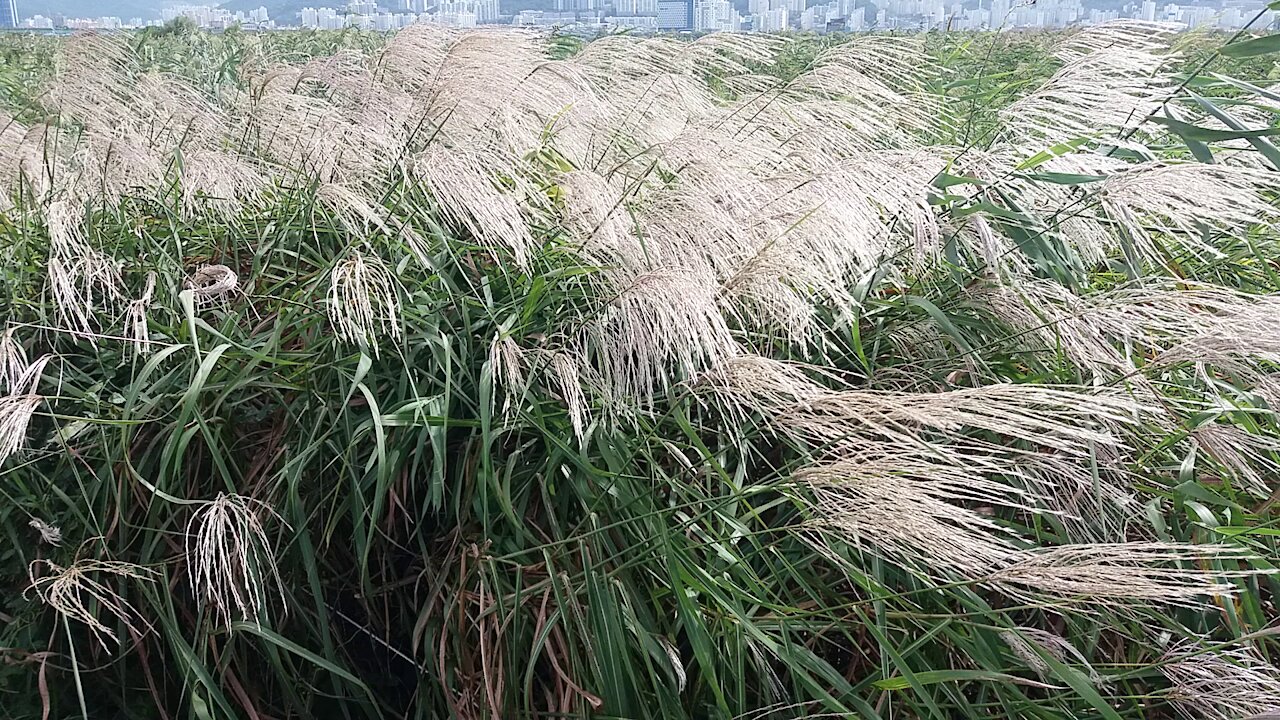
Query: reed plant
[{"x": 486, "y": 374}]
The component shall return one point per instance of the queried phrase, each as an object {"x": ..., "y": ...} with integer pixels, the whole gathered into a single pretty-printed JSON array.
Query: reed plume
[
  {"x": 230, "y": 560},
  {"x": 81, "y": 589}
]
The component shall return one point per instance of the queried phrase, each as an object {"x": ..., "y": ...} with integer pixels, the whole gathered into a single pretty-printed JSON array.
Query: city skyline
[{"x": 593, "y": 16}]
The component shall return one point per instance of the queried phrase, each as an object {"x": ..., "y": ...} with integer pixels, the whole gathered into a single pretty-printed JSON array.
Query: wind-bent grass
[{"x": 486, "y": 375}]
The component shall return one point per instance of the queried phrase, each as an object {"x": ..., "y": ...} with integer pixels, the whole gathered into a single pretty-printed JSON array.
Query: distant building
[
  {"x": 635, "y": 8},
  {"x": 856, "y": 19},
  {"x": 999, "y": 12},
  {"x": 323, "y": 18},
  {"x": 775, "y": 20},
  {"x": 675, "y": 14},
  {"x": 814, "y": 18},
  {"x": 8, "y": 13},
  {"x": 1194, "y": 17},
  {"x": 486, "y": 11},
  {"x": 454, "y": 17},
  {"x": 715, "y": 16},
  {"x": 210, "y": 17},
  {"x": 637, "y": 22}
]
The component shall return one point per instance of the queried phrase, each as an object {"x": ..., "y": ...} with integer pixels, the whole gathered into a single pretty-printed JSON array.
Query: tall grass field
[{"x": 489, "y": 374}]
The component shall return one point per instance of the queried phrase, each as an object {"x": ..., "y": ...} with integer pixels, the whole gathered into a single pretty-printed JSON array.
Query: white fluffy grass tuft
[
  {"x": 914, "y": 511},
  {"x": 364, "y": 303},
  {"x": 1116, "y": 574},
  {"x": 136, "y": 328},
  {"x": 230, "y": 560},
  {"x": 19, "y": 405},
  {"x": 82, "y": 592},
  {"x": 1222, "y": 684}
]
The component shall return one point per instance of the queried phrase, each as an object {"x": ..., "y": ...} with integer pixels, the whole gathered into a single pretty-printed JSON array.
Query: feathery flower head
[
  {"x": 1246, "y": 456},
  {"x": 13, "y": 360},
  {"x": 1024, "y": 642},
  {"x": 219, "y": 181},
  {"x": 1223, "y": 684},
  {"x": 1109, "y": 88},
  {"x": 75, "y": 590},
  {"x": 912, "y": 510},
  {"x": 1068, "y": 420},
  {"x": 135, "y": 323},
  {"x": 465, "y": 183},
  {"x": 51, "y": 534},
  {"x": 361, "y": 217},
  {"x": 1141, "y": 35},
  {"x": 230, "y": 562},
  {"x": 564, "y": 373},
  {"x": 1178, "y": 201},
  {"x": 506, "y": 358},
  {"x": 76, "y": 271},
  {"x": 17, "y": 407},
  {"x": 1113, "y": 574},
  {"x": 662, "y": 320},
  {"x": 363, "y": 301},
  {"x": 746, "y": 384}
]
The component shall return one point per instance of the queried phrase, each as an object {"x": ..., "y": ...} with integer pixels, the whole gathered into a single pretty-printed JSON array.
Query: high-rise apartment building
[
  {"x": 8, "y": 13},
  {"x": 774, "y": 20},
  {"x": 486, "y": 11},
  {"x": 999, "y": 13},
  {"x": 814, "y": 18},
  {"x": 635, "y": 8},
  {"x": 675, "y": 14},
  {"x": 715, "y": 16}
]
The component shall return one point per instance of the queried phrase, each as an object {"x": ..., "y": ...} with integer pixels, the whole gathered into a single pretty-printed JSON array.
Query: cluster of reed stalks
[{"x": 465, "y": 376}]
